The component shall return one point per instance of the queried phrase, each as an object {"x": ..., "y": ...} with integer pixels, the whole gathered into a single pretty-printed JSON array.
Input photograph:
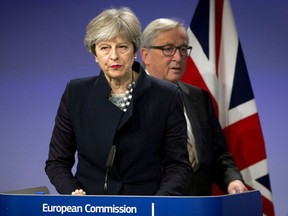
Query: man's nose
[{"x": 177, "y": 55}]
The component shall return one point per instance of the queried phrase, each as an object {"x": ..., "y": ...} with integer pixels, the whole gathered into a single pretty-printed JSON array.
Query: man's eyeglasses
[{"x": 169, "y": 50}]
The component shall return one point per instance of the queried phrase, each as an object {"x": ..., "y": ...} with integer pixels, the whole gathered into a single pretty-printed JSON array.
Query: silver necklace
[
  {"x": 128, "y": 97},
  {"x": 123, "y": 100}
]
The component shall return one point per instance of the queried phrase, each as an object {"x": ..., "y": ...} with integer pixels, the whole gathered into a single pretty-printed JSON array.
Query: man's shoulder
[
  {"x": 162, "y": 83},
  {"x": 191, "y": 89}
]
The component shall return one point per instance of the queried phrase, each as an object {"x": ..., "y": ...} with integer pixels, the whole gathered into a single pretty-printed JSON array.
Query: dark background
[{"x": 41, "y": 49}]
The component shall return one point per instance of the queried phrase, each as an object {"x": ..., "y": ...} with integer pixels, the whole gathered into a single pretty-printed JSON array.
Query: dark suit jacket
[
  {"x": 216, "y": 164},
  {"x": 150, "y": 137}
]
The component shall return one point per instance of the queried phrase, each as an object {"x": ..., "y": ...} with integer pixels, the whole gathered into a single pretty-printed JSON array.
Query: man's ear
[{"x": 144, "y": 55}]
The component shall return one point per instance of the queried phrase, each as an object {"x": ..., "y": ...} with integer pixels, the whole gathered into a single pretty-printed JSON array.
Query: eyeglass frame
[{"x": 188, "y": 49}]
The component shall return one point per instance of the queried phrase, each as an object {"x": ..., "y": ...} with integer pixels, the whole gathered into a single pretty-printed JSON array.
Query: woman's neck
[{"x": 119, "y": 86}]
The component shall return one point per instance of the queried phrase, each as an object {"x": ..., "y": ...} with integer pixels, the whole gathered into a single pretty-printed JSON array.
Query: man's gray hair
[{"x": 154, "y": 28}]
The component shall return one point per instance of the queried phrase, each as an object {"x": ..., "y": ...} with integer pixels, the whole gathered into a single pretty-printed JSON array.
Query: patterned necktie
[
  {"x": 191, "y": 143},
  {"x": 191, "y": 154}
]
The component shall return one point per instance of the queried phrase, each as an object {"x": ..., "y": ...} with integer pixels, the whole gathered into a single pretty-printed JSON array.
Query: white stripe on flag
[
  {"x": 202, "y": 63},
  {"x": 227, "y": 62},
  {"x": 255, "y": 171},
  {"x": 242, "y": 111}
]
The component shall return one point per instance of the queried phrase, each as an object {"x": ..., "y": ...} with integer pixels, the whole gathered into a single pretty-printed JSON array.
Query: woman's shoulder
[
  {"x": 82, "y": 84},
  {"x": 83, "y": 81}
]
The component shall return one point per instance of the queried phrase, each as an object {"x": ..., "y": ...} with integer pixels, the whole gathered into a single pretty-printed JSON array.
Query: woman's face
[{"x": 115, "y": 57}]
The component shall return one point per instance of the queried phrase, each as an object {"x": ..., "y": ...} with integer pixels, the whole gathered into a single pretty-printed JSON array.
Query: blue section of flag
[
  {"x": 200, "y": 25},
  {"x": 265, "y": 181},
  {"x": 242, "y": 89}
]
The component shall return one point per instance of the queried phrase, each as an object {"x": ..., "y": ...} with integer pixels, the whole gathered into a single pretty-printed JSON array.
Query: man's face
[{"x": 170, "y": 68}]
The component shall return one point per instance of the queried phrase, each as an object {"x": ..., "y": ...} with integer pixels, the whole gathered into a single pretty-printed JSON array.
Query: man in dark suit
[{"x": 164, "y": 53}]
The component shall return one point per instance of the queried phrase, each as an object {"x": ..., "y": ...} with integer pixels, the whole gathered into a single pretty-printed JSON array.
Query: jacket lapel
[
  {"x": 107, "y": 122},
  {"x": 141, "y": 85}
]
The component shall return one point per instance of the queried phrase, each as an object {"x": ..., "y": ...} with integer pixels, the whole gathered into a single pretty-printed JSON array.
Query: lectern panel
[{"x": 248, "y": 203}]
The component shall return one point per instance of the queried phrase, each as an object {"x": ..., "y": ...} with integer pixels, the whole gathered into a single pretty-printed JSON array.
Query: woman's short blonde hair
[{"x": 113, "y": 23}]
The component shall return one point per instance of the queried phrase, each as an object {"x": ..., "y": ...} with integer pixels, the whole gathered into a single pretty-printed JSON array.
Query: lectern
[{"x": 248, "y": 203}]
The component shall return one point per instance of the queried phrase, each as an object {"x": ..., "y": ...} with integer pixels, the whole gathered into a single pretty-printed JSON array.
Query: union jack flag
[{"x": 217, "y": 65}]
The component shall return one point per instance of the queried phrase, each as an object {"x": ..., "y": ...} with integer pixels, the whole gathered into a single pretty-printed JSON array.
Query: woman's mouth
[{"x": 115, "y": 66}]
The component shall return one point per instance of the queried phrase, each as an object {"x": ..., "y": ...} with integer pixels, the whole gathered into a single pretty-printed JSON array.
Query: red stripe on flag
[
  {"x": 245, "y": 141},
  {"x": 268, "y": 208},
  {"x": 192, "y": 76}
]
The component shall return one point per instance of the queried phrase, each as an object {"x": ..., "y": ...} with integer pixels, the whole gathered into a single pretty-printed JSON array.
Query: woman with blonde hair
[{"x": 137, "y": 118}]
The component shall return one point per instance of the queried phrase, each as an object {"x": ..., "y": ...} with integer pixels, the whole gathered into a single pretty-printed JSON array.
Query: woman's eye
[
  {"x": 123, "y": 48},
  {"x": 104, "y": 48}
]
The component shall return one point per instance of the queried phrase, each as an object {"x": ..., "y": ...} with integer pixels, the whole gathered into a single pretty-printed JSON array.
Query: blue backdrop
[{"x": 41, "y": 49}]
